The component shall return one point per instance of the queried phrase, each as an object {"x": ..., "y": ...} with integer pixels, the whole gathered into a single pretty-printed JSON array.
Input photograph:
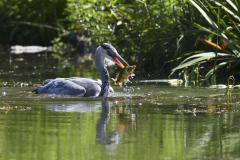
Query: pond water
[{"x": 138, "y": 121}]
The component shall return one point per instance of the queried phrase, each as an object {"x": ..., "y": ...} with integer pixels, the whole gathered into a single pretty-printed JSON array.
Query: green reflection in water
[
  {"x": 92, "y": 130},
  {"x": 143, "y": 122}
]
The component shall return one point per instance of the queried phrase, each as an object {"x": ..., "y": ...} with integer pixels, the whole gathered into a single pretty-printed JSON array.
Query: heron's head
[{"x": 111, "y": 53}]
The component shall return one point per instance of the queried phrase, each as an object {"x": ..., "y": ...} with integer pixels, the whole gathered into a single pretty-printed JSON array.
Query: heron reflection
[
  {"x": 102, "y": 136},
  {"x": 107, "y": 137}
]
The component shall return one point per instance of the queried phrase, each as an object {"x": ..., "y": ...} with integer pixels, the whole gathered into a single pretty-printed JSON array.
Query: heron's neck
[{"x": 99, "y": 62}]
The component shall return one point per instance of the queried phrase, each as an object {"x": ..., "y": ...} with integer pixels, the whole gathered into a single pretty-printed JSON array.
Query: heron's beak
[{"x": 119, "y": 60}]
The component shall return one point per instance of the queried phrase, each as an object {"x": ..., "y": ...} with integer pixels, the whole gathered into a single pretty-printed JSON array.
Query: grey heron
[{"x": 86, "y": 87}]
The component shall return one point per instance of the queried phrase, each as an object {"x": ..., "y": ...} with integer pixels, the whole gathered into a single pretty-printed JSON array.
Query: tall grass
[{"x": 222, "y": 24}]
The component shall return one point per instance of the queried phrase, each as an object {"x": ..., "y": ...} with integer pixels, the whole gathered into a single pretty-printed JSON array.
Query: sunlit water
[{"x": 140, "y": 121}]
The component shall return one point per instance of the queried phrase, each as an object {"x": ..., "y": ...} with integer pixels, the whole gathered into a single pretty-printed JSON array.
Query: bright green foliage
[
  {"x": 148, "y": 33},
  {"x": 223, "y": 19},
  {"x": 144, "y": 31}
]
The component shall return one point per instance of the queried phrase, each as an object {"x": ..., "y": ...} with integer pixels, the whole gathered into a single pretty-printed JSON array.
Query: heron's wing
[
  {"x": 47, "y": 81},
  {"x": 92, "y": 87},
  {"x": 99, "y": 82},
  {"x": 89, "y": 85},
  {"x": 62, "y": 86},
  {"x": 71, "y": 86}
]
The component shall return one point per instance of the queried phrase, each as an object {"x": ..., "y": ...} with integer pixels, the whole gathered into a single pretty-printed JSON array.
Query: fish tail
[{"x": 113, "y": 79}]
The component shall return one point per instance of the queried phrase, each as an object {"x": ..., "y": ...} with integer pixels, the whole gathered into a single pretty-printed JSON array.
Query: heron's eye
[{"x": 109, "y": 52}]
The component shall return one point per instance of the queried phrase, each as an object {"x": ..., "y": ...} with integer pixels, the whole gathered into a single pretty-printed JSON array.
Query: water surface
[{"x": 140, "y": 121}]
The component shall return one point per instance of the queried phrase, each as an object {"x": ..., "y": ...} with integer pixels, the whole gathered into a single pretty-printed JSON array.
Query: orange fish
[{"x": 123, "y": 75}]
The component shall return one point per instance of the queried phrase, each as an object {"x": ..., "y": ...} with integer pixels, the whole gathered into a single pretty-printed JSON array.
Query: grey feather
[{"x": 84, "y": 87}]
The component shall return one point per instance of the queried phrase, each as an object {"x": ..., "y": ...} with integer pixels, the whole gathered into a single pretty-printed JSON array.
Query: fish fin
[
  {"x": 115, "y": 80},
  {"x": 126, "y": 81}
]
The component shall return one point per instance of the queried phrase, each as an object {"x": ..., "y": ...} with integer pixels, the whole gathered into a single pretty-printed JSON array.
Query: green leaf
[
  {"x": 186, "y": 54},
  {"x": 220, "y": 65},
  {"x": 228, "y": 10},
  {"x": 233, "y": 5},
  {"x": 205, "y": 29},
  {"x": 198, "y": 58},
  {"x": 231, "y": 46},
  {"x": 86, "y": 6},
  {"x": 210, "y": 21}
]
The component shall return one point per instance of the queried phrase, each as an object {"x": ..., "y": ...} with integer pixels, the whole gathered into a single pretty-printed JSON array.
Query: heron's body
[
  {"x": 71, "y": 86},
  {"x": 86, "y": 87}
]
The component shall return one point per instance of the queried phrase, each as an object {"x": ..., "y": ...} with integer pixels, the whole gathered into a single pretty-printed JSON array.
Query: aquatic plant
[
  {"x": 230, "y": 86},
  {"x": 6, "y": 108},
  {"x": 222, "y": 34}
]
